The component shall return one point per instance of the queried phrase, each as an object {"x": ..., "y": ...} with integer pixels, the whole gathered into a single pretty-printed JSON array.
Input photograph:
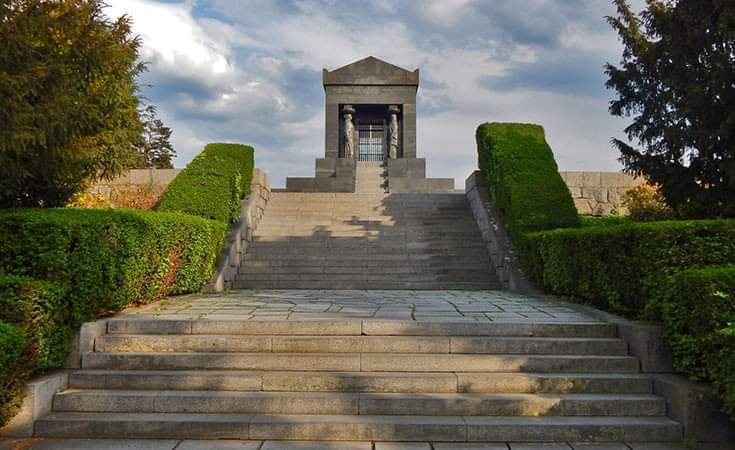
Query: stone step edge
[
  {"x": 360, "y": 327},
  {"x": 390, "y": 428},
  {"x": 369, "y": 362},
  {"x": 329, "y": 403},
  {"x": 472, "y": 345},
  {"x": 441, "y": 382}
]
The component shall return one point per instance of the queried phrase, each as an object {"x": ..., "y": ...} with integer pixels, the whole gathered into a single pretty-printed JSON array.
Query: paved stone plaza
[
  {"x": 451, "y": 306},
  {"x": 171, "y": 444}
]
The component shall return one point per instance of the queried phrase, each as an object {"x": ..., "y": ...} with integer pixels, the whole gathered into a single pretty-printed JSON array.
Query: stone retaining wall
[
  {"x": 599, "y": 193},
  {"x": 241, "y": 232},
  {"x": 157, "y": 179},
  {"x": 499, "y": 247}
]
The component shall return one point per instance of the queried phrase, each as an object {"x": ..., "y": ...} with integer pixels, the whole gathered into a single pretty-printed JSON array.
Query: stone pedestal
[
  {"x": 332, "y": 175},
  {"x": 409, "y": 175}
]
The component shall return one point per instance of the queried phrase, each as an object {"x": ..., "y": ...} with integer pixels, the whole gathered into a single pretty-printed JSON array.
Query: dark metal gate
[{"x": 370, "y": 145}]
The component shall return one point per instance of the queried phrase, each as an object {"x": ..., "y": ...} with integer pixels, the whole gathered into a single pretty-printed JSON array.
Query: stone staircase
[
  {"x": 360, "y": 380},
  {"x": 367, "y": 240},
  {"x": 370, "y": 177}
]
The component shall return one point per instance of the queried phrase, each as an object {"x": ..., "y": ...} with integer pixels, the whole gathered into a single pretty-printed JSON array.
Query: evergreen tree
[
  {"x": 68, "y": 99},
  {"x": 677, "y": 81},
  {"x": 155, "y": 149}
]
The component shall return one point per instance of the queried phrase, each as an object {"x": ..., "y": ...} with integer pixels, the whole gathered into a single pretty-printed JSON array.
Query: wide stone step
[
  {"x": 373, "y": 238},
  {"x": 479, "y": 277},
  {"x": 359, "y": 344},
  {"x": 365, "y": 246},
  {"x": 355, "y": 427},
  {"x": 359, "y": 362},
  {"x": 260, "y": 267},
  {"x": 370, "y": 327},
  {"x": 339, "y": 257},
  {"x": 380, "y": 382},
  {"x": 346, "y": 284},
  {"x": 401, "y": 404}
]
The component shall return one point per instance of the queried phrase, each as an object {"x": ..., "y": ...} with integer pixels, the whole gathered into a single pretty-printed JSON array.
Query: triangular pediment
[{"x": 371, "y": 71}]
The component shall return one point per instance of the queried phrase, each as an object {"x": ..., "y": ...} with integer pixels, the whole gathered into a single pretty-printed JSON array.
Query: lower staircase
[{"x": 356, "y": 380}]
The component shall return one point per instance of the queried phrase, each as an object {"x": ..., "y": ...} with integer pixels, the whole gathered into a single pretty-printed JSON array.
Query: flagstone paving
[
  {"x": 170, "y": 444},
  {"x": 471, "y": 306}
]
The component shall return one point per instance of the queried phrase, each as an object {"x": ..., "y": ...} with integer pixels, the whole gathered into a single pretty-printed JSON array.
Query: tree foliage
[
  {"x": 154, "y": 148},
  {"x": 68, "y": 103},
  {"x": 677, "y": 81}
]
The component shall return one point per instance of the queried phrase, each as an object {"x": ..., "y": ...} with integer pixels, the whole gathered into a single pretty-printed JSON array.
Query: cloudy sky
[{"x": 249, "y": 71}]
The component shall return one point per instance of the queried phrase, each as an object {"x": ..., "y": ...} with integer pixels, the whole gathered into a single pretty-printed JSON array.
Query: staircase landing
[{"x": 280, "y": 369}]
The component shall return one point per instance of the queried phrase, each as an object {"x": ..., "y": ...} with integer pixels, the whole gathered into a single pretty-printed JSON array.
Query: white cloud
[{"x": 250, "y": 70}]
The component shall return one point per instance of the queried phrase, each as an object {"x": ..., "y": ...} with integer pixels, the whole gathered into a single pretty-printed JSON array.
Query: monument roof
[{"x": 371, "y": 71}]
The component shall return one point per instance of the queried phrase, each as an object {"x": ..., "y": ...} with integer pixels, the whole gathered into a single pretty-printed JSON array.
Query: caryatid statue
[
  {"x": 349, "y": 132},
  {"x": 393, "y": 132}
]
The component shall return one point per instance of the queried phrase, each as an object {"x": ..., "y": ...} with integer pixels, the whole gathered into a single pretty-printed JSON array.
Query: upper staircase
[{"x": 367, "y": 240}]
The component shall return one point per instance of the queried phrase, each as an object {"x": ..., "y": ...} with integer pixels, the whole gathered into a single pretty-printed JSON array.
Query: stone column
[{"x": 393, "y": 142}]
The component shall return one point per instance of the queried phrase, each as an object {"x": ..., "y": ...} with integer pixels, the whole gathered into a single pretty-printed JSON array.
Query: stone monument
[{"x": 370, "y": 117}]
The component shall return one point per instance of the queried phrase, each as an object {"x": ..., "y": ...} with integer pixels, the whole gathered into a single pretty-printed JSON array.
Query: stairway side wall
[
  {"x": 241, "y": 233},
  {"x": 499, "y": 247}
]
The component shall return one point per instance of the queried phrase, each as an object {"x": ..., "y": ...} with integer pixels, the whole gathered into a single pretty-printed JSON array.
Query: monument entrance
[
  {"x": 371, "y": 141},
  {"x": 370, "y": 115}
]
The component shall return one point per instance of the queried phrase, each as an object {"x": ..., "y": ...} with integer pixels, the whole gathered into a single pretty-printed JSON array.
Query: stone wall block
[
  {"x": 583, "y": 206},
  {"x": 600, "y": 195}
]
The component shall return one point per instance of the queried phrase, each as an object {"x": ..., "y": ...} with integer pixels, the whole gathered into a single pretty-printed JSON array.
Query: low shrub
[
  {"x": 39, "y": 310},
  {"x": 213, "y": 184},
  {"x": 616, "y": 268},
  {"x": 646, "y": 203},
  {"x": 602, "y": 221},
  {"x": 698, "y": 312},
  {"x": 137, "y": 197},
  {"x": 13, "y": 371},
  {"x": 105, "y": 260},
  {"x": 523, "y": 178}
]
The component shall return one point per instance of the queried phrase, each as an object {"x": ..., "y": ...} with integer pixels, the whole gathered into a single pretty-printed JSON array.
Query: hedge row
[
  {"x": 35, "y": 335},
  {"x": 523, "y": 178},
  {"x": 618, "y": 267},
  {"x": 93, "y": 262},
  {"x": 105, "y": 260},
  {"x": 213, "y": 184},
  {"x": 13, "y": 345},
  {"x": 698, "y": 312}
]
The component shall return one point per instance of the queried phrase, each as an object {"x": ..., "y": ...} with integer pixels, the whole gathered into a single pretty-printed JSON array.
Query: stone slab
[
  {"x": 99, "y": 444},
  {"x": 316, "y": 445},
  {"x": 39, "y": 394},
  {"x": 219, "y": 444}
]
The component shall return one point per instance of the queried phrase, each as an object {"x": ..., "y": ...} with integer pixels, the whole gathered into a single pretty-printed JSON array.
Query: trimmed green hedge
[
  {"x": 698, "y": 311},
  {"x": 105, "y": 260},
  {"x": 95, "y": 262},
  {"x": 35, "y": 335},
  {"x": 523, "y": 178},
  {"x": 39, "y": 310},
  {"x": 213, "y": 184},
  {"x": 13, "y": 373},
  {"x": 616, "y": 268}
]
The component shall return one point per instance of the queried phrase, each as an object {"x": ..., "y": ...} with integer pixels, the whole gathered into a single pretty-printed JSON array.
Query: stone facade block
[{"x": 599, "y": 193}]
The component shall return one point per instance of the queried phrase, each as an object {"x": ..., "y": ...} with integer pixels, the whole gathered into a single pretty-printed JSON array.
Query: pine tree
[
  {"x": 155, "y": 149},
  {"x": 68, "y": 99},
  {"x": 677, "y": 81}
]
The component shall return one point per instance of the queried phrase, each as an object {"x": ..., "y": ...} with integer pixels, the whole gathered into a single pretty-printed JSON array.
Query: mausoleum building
[{"x": 370, "y": 120}]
